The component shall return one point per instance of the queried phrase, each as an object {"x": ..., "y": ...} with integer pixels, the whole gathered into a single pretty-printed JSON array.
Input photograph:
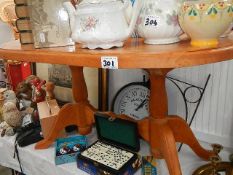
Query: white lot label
[
  {"x": 151, "y": 20},
  {"x": 42, "y": 37},
  {"x": 109, "y": 62}
]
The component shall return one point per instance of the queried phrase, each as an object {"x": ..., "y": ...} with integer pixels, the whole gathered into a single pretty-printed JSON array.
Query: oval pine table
[{"x": 159, "y": 129}]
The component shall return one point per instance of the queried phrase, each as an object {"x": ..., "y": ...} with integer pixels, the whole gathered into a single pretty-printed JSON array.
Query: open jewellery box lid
[{"x": 122, "y": 133}]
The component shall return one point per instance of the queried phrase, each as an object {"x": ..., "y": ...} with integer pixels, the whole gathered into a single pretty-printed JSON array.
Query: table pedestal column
[
  {"x": 81, "y": 113},
  {"x": 163, "y": 131}
]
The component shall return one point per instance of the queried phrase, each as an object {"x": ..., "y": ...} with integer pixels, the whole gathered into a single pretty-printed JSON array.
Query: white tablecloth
[{"x": 41, "y": 162}]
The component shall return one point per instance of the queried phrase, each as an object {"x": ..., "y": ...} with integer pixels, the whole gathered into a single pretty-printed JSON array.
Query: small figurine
[
  {"x": 24, "y": 95},
  {"x": 38, "y": 93},
  {"x": 24, "y": 91},
  {"x": 11, "y": 114},
  {"x": 216, "y": 166},
  {"x": 49, "y": 89},
  {"x": 9, "y": 96},
  {"x": 12, "y": 119}
]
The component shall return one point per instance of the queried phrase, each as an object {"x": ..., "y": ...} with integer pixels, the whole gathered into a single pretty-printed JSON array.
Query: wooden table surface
[
  {"x": 160, "y": 130},
  {"x": 135, "y": 54}
]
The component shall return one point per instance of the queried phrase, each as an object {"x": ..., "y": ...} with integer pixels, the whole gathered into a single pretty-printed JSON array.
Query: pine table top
[{"x": 134, "y": 54}]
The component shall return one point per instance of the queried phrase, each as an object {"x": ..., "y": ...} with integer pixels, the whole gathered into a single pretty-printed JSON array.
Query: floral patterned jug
[{"x": 158, "y": 22}]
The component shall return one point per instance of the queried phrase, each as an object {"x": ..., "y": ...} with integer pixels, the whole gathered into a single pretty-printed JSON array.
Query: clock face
[{"x": 133, "y": 100}]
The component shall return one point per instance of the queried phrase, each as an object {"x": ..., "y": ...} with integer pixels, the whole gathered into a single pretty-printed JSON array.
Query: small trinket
[{"x": 216, "y": 166}]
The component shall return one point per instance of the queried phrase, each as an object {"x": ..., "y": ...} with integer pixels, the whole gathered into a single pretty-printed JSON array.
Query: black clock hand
[{"x": 141, "y": 105}]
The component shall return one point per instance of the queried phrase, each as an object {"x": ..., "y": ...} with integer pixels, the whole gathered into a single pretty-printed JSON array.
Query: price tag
[
  {"x": 151, "y": 20},
  {"x": 109, "y": 62},
  {"x": 42, "y": 37}
]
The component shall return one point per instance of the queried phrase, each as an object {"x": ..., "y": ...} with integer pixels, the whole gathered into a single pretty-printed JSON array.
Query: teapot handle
[
  {"x": 134, "y": 15},
  {"x": 128, "y": 9},
  {"x": 126, "y": 3},
  {"x": 71, "y": 12}
]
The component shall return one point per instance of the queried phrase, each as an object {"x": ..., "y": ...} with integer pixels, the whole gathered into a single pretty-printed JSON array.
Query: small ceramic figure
[
  {"x": 158, "y": 22},
  {"x": 12, "y": 119},
  {"x": 11, "y": 114},
  {"x": 38, "y": 93},
  {"x": 24, "y": 91},
  {"x": 9, "y": 96},
  {"x": 50, "y": 90}
]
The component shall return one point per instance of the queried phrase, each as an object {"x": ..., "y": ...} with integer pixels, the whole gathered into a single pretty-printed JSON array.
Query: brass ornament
[{"x": 216, "y": 166}]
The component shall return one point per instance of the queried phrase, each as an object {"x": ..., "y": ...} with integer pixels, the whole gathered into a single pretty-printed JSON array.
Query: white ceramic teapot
[{"x": 102, "y": 24}]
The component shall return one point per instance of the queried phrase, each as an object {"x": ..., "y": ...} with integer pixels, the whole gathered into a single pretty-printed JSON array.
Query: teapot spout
[
  {"x": 71, "y": 12},
  {"x": 135, "y": 12}
]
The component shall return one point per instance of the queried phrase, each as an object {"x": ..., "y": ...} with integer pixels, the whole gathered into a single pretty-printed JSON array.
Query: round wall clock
[{"x": 133, "y": 100}]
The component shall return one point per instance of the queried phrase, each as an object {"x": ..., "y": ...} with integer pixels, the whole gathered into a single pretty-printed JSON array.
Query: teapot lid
[
  {"x": 99, "y": 6},
  {"x": 95, "y": 1}
]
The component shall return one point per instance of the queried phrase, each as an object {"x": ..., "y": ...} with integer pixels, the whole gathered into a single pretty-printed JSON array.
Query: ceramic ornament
[
  {"x": 158, "y": 22},
  {"x": 205, "y": 21},
  {"x": 102, "y": 24},
  {"x": 9, "y": 96},
  {"x": 11, "y": 114}
]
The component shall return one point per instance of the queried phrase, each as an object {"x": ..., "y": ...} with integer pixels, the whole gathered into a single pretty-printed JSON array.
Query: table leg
[
  {"x": 164, "y": 132},
  {"x": 81, "y": 113},
  {"x": 184, "y": 134}
]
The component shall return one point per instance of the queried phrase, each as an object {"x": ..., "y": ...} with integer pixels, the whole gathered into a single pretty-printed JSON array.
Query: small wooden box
[
  {"x": 48, "y": 111},
  {"x": 114, "y": 152}
]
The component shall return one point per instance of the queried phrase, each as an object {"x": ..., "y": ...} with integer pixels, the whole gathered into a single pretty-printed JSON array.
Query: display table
[
  {"x": 160, "y": 130},
  {"x": 41, "y": 162}
]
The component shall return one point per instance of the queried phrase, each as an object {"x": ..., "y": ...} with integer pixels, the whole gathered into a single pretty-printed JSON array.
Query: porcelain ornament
[{"x": 103, "y": 24}]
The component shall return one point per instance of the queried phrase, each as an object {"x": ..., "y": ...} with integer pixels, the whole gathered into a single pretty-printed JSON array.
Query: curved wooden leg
[
  {"x": 80, "y": 94},
  {"x": 184, "y": 134},
  {"x": 165, "y": 131},
  {"x": 80, "y": 113},
  {"x": 162, "y": 141},
  {"x": 70, "y": 114}
]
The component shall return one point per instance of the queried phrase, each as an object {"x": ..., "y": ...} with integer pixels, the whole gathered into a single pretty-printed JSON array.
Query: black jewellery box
[{"x": 114, "y": 152}]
